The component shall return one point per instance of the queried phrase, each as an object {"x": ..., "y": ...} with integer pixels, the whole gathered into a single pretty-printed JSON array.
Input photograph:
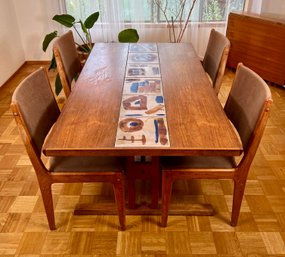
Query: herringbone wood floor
[{"x": 260, "y": 232}]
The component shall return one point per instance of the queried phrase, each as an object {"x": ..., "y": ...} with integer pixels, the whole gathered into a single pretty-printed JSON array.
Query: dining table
[{"x": 125, "y": 88}]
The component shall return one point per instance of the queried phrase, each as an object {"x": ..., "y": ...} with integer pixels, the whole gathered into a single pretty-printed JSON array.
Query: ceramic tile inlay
[{"x": 142, "y": 114}]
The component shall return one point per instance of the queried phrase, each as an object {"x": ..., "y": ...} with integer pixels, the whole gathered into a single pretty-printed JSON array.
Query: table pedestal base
[
  {"x": 146, "y": 169},
  {"x": 175, "y": 209}
]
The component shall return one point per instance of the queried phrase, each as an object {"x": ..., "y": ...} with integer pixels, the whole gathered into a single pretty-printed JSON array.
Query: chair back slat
[
  {"x": 215, "y": 58},
  {"x": 246, "y": 103},
  {"x": 35, "y": 107},
  {"x": 66, "y": 58}
]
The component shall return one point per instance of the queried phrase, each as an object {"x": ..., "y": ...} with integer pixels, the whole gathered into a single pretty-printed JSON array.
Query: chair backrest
[
  {"x": 35, "y": 110},
  {"x": 67, "y": 60},
  {"x": 216, "y": 57},
  {"x": 248, "y": 107}
]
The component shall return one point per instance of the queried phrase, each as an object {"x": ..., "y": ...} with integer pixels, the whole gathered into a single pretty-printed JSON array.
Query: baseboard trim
[
  {"x": 38, "y": 62},
  {"x": 25, "y": 63},
  {"x": 12, "y": 76}
]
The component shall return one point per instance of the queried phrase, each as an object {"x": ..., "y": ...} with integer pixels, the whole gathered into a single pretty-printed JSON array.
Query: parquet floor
[{"x": 260, "y": 232}]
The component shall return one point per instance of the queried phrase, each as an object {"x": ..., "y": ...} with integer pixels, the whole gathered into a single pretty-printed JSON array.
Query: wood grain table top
[{"x": 197, "y": 124}]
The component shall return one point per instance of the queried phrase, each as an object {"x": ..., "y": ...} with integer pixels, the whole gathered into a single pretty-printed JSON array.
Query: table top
[{"x": 197, "y": 124}]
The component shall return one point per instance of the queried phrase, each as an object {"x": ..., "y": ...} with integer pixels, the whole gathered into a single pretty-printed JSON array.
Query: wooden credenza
[{"x": 259, "y": 43}]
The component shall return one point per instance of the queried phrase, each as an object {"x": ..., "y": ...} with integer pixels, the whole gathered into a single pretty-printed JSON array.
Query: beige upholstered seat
[
  {"x": 67, "y": 60},
  {"x": 247, "y": 107},
  {"x": 35, "y": 111},
  {"x": 216, "y": 57}
]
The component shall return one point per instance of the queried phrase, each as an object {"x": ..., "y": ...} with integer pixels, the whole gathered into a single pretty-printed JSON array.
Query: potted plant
[{"x": 67, "y": 20}]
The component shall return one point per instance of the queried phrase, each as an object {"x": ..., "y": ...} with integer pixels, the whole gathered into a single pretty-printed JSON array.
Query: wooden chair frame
[
  {"x": 238, "y": 174},
  {"x": 47, "y": 178},
  {"x": 62, "y": 75},
  {"x": 221, "y": 70}
]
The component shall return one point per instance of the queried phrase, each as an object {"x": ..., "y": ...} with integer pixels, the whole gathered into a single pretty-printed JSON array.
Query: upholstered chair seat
[
  {"x": 85, "y": 164},
  {"x": 184, "y": 162}
]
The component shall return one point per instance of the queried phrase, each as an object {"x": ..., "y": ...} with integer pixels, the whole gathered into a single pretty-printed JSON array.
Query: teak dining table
[{"x": 88, "y": 123}]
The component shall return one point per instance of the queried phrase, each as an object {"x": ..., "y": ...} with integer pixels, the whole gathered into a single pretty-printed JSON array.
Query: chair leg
[
  {"x": 237, "y": 200},
  {"x": 165, "y": 196},
  {"x": 48, "y": 204},
  {"x": 118, "y": 187}
]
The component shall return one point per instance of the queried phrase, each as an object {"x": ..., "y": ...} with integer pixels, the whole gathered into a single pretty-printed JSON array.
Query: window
[
  {"x": 217, "y": 10},
  {"x": 80, "y": 9},
  {"x": 204, "y": 11}
]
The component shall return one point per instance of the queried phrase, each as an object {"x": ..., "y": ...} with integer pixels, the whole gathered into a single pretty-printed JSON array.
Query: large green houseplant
[{"x": 67, "y": 20}]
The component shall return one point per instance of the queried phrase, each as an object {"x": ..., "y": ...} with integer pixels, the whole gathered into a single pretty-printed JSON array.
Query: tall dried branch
[
  {"x": 186, "y": 21},
  {"x": 177, "y": 17}
]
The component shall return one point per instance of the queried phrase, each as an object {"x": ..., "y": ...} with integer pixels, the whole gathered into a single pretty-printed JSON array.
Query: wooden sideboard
[{"x": 259, "y": 43}]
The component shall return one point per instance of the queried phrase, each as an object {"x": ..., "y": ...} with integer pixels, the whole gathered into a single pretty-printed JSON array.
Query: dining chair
[
  {"x": 215, "y": 58},
  {"x": 35, "y": 111},
  {"x": 67, "y": 60},
  {"x": 247, "y": 108}
]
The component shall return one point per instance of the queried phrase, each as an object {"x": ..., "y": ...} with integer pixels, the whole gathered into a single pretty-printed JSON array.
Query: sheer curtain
[
  {"x": 112, "y": 19},
  {"x": 254, "y": 6},
  {"x": 198, "y": 32},
  {"x": 116, "y": 15}
]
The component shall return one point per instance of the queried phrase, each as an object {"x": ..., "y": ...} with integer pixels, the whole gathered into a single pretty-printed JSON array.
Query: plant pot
[{"x": 83, "y": 53}]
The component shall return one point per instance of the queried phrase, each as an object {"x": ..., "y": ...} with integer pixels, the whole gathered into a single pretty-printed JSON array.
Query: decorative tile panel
[{"x": 142, "y": 114}]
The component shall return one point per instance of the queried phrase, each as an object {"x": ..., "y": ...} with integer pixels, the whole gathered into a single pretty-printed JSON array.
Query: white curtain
[
  {"x": 113, "y": 17},
  {"x": 269, "y": 8},
  {"x": 116, "y": 15},
  {"x": 198, "y": 32},
  {"x": 254, "y": 6}
]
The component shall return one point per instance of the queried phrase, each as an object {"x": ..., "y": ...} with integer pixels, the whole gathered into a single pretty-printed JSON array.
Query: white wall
[
  {"x": 12, "y": 54},
  {"x": 35, "y": 21},
  {"x": 23, "y": 25}
]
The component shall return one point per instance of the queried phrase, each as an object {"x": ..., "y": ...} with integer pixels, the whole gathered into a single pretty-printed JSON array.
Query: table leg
[{"x": 145, "y": 169}]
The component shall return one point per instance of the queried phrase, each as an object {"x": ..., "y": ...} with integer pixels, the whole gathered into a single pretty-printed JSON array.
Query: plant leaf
[
  {"x": 128, "y": 36},
  {"x": 83, "y": 27},
  {"x": 52, "y": 65},
  {"x": 64, "y": 19},
  {"x": 76, "y": 76},
  {"x": 58, "y": 85},
  {"x": 48, "y": 38},
  {"x": 89, "y": 22}
]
